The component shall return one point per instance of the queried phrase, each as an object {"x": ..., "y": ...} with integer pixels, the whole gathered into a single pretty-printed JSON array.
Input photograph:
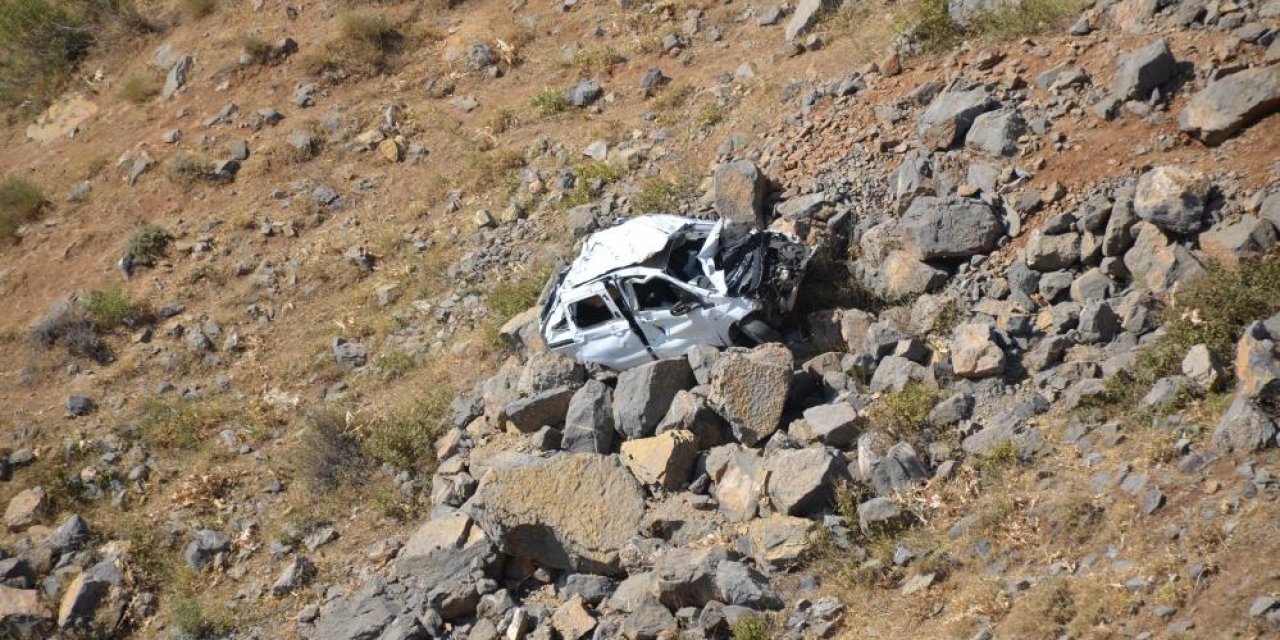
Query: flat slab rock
[{"x": 570, "y": 511}]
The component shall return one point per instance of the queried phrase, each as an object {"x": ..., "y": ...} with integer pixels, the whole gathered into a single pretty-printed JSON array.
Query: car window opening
[
  {"x": 590, "y": 312},
  {"x": 656, "y": 294},
  {"x": 683, "y": 261}
]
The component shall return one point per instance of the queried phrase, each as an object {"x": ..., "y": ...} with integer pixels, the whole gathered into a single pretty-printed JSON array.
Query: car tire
[{"x": 758, "y": 331}]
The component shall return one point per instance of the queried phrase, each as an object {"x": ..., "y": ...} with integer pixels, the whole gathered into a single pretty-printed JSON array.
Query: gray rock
[
  {"x": 1052, "y": 253},
  {"x": 895, "y": 372},
  {"x": 806, "y": 12},
  {"x": 584, "y": 93},
  {"x": 1172, "y": 198},
  {"x": 687, "y": 577},
  {"x": 649, "y": 622},
  {"x": 591, "y": 588},
  {"x": 303, "y": 94},
  {"x": 801, "y": 481},
  {"x": 944, "y": 124},
  {"x": 68, "y": 536},
  {"x": 86, "y": 593},
  {"x": 295, "y": 575},
  {"x": 349, "y": 355},
  {"x": 1141, "y": 71},
  {"x": 543, "y": 409},
  {"x": 653, "y": 80},
  {"x": 879, "y": 515},
  {"x": 644, "y": 395},
  {"x": 740, "y": 585},
  {"x": 1098, "y": 322},
  {"x": 204, "y": 545},
  {"x": 1244, "y": 427},
  {"x": 899, "y": 470},
  {"x": 1232, "y": 103},
  {"x": 447, "y": 557},
  {"x": 1247, "y": 237},
  {"x": 902, "y": 275},
  {"x": 739, "y": 189},
  {"x": 480, "y": 56},
  {"x": 79, "y": 406},
  {"x": 588, "y": 422},
  {"x": 957, "y": 407},
  {"x": 996, "y": 133},
  {"x": 951, "y": 227},
  {"x": 370, "y": 613},
  {"x": 177, "y": 76},
  {"x": 832, "y": 424},
  {"x": 1203, "y": 368},
  {"x": 750, "y": 390}
]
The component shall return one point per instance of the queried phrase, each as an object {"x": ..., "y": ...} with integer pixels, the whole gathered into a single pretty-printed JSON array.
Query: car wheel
[{"x": 759, "y": 331}]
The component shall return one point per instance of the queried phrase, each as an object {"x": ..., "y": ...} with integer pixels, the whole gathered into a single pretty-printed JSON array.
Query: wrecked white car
[{"x": 655, "y": 286}]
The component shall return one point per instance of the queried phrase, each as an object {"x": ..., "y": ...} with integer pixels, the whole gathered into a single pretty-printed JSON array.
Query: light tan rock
[
  {"x": 664, "y": 460},
  {"x": 572, "y": 620},
  {"x": 25, "y": 508},
  {"x": 974, "y": 353}
]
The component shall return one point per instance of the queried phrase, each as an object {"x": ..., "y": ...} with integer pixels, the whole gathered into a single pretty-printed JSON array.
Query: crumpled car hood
[{"x": 630, "y": 243}]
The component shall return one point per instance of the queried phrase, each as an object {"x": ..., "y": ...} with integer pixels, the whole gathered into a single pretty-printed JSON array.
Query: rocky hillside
[{"x": 271, "y": 367}]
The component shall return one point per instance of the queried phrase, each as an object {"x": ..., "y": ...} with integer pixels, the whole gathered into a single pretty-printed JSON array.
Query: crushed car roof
[{"x": 627, "y": 244}]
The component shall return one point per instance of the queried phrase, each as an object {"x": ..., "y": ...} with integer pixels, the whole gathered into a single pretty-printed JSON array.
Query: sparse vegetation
[
  {"x": 657, "y": 196},
  {"x": 369, "y": 35},
  {"x": 140, "y": 88},
  {"x": 904, "y": 413},
  {"x": 21, "y": 201},
  {"x": 994, "y": 463},
  {"x": 512, "y": 297},
  {"x": 146, "y": 245},
  {"x": 328, "y": 454},
  {"x": 548, "y": 101},
  {"x": 395, "y": 365},
  {"x": 406, "y": 439},
  {"x": 750, "y": 628},
  {"x": 188, "y": 168},
  {"x": 69, "y": 325},
  {"x": 929, "y": 23},
  {"x": 598, "y": 59},
  {"x": 709, "y": 115},
  {"x": 487, "y": 169},
  {"x": 110, "y": 309},
  {"x": 500, "y": 120}
]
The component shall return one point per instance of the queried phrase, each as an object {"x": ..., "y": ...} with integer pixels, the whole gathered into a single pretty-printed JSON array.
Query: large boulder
[
  {"x": 570, "y": 511},
  {"x": 588, "y": 422},
  {"x": 801, "y": 481},
  {"x": 664, "y": 460},
  {"x": 1232, "y": 103},
  {"x": 369, "y": 612},
  {"x": 749, "y": 389},
  {"x": 740, "y": 188},
  {"x": 1172, "y": 198},
  {"x": 1141, "y": 71},
  {"x": 447, "y": 556},
  {"x": 644, "y": 395},
  {"x": 975, "y": 352},
  {"x": 946, "y": 228},
  {"x": 944, "y": 124}
]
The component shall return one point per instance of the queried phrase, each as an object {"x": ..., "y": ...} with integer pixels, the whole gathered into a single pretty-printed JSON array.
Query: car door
[
  {"x": 603, "y": 334},
  {"x": 673, "y": 317}
]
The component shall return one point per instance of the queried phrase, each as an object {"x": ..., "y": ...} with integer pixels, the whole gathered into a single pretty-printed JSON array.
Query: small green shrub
[
  {"x": 597, "y": 59},
  {"x": 904, "y": 413},
  {"x": 138, "y": 89},
  {"x": 21, "y": 201},
  {"x": 395, "y": 365},
  {"x": 40, "y": 43},
  {"x": 188, "y": 616},
  {"x": 709, "y": 115},
  {"x": 146, "y": 245},
  {"x": 189, "y": 168},
  {"x": 656, "y": 196},
  {"x": 1212, "y": 310},
  {"x": 548, "y": 101},
  {"x": 929, "y": 24},
  {"x": 486, "y": 170},
  {"x": 1027, "y": 17},
  {"x": 406, "y": 439},
  {"x": 750, "y": 628},
  {"x": 1001, "y": 457},
  {"x": 110, "y": 309}
]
